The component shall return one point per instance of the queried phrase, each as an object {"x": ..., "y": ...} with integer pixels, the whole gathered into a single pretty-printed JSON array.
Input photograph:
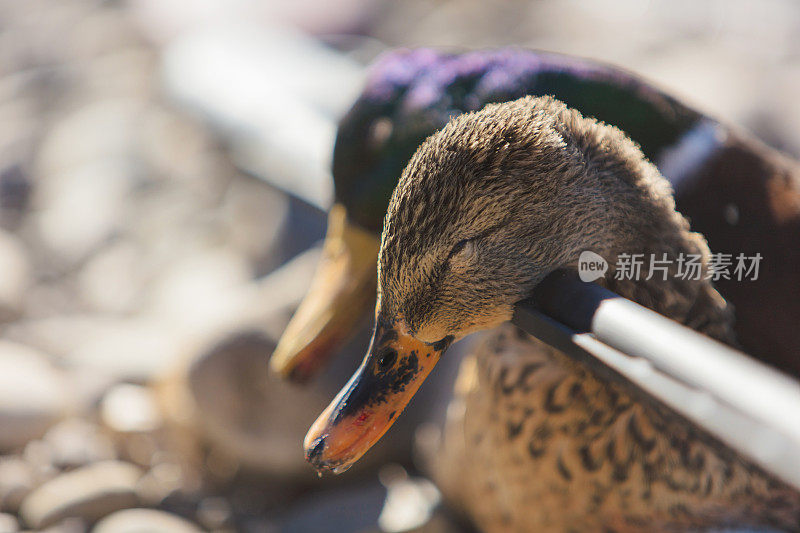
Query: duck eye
[
  {"x": 387, "y": 359},
  {"x": 465, "y": 247},
  {"x": 458, "y": 247}
]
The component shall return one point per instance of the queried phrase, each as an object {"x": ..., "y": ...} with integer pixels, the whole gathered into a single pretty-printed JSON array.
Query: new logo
[{"x": 591, "y": 266}]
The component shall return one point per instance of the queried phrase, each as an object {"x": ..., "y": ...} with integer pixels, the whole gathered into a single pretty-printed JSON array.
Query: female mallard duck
[
  {"x": 743, "y": 196},
  {"x": 484, "y": 210}
]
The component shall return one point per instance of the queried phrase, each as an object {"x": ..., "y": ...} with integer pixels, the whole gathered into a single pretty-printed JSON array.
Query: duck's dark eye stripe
[
  {"x": 387, "y": 359},
  {"x": 458, "y": 247}
]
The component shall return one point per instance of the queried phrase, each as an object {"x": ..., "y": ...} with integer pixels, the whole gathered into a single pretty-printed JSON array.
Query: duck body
[{"x": 534, "y": 441}]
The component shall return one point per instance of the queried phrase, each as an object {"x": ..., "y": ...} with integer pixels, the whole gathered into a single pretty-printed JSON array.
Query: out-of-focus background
[{"x": 164, "y": 172}]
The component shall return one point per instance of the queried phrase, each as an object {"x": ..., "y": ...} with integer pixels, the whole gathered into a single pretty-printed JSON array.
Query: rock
[
  {"x": 59, "y": 335},
  {"x": 105, "y": 347},
  {"x": 126, "y": 72},
  {"x": 15, "y": 192},
  {"x": 90, "y": 492},
  {"x": 214, "y": 513},
  {"x": 111, "y": 281},
  {"x": 164, "y": 480},
  {"x": 17, "y": 480},
  {"x": 8, "y": 523},
  {"x": 39, "y": 455},
  {"x": 130, "y": 408},
  {"x": 87, "y": 388},
  {"x": 198, "y": 292},
  {"x": 81, "y": 207},
  {"x": 248, "y": 414},
  {"x": 410, "y": 502},
  {"x": 133, "y": 349},
  {"x": 75, "y": 442},
  {"x": 32, "y": 395},
  {"x": 15, "y": 278},
  {"x": 68, "y": 525},
  {"x": 144, "y": 521},
  {"x": 99, "y": 130}
]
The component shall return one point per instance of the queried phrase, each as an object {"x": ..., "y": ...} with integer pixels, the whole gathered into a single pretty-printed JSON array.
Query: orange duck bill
[{"x": 391, "y": 373}]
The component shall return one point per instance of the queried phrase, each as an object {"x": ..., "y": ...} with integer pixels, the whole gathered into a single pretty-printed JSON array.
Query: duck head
[{"x": 485, "y": 209}]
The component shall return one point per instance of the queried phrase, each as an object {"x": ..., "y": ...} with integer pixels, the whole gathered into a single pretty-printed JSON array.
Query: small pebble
[
  {"x": 17, "y": 480},
  {"x": 161, "y": 481},
  {"x": 15, "y": 279},
  {"x": 90, "y": 492},
  {"x": 32, "y": 394},
  {"x": 8, "y": 523},
  {"x": 39, "y": 455},
  {"x": 214, "y": 513},
  {"x": 144, "y": 521},
  {"x": 130, "y": 408},
  {"x": 75, "y": 442}
]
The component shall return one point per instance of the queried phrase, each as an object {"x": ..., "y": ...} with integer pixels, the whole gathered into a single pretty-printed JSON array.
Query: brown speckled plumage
[{"x": 485, "y": 209}]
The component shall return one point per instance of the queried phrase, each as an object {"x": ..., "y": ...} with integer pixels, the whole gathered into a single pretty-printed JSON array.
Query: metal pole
[{"x": 745, "y": 404}]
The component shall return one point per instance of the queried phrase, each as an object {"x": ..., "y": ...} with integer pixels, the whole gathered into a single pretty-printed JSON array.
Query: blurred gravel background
[{"x": 163, "y": 180}]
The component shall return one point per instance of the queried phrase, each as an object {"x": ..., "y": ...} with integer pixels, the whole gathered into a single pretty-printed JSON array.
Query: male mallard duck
[
  {"x": 742, "y": 195},
  {"x": 485, "y": 209}
]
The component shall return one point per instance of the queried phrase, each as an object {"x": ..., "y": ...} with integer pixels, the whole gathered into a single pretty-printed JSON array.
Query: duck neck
[
  {"x": 653, "y": 256},
  {"x": 661, "y": 264}
]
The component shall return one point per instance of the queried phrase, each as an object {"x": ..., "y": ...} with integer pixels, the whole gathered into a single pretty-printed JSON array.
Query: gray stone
[
  {"x": 112, "y": 280},
  {"x": 214, "y": 513},
  {"x": 144, "y": 521},
  {"x": 59, "y": 335},
  {"x": 32, "y": 395},
  {"x": 102, "y": 129},
  {"x": 68, "y": 525},
  {"x": 81, "y": 207},
  {"x": 76, "y": 442},
  {"x": 90, "y": 493},
  {"x": 39, "y": 455},
  {"x": 15, "y": 191},
  {"x": 17, "y": 480},
  {"x": 8, "y": 523},
  {"x": 130, "y": 408},
  {"x": 251, "y": 416},
  {"x": 15, "y": 278},
  {"x": 133, "y": 349},
  {"x": 166, "y": 479},
  {"x": 410, "y": 502},
  {"x": 200, "y": 291}
]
